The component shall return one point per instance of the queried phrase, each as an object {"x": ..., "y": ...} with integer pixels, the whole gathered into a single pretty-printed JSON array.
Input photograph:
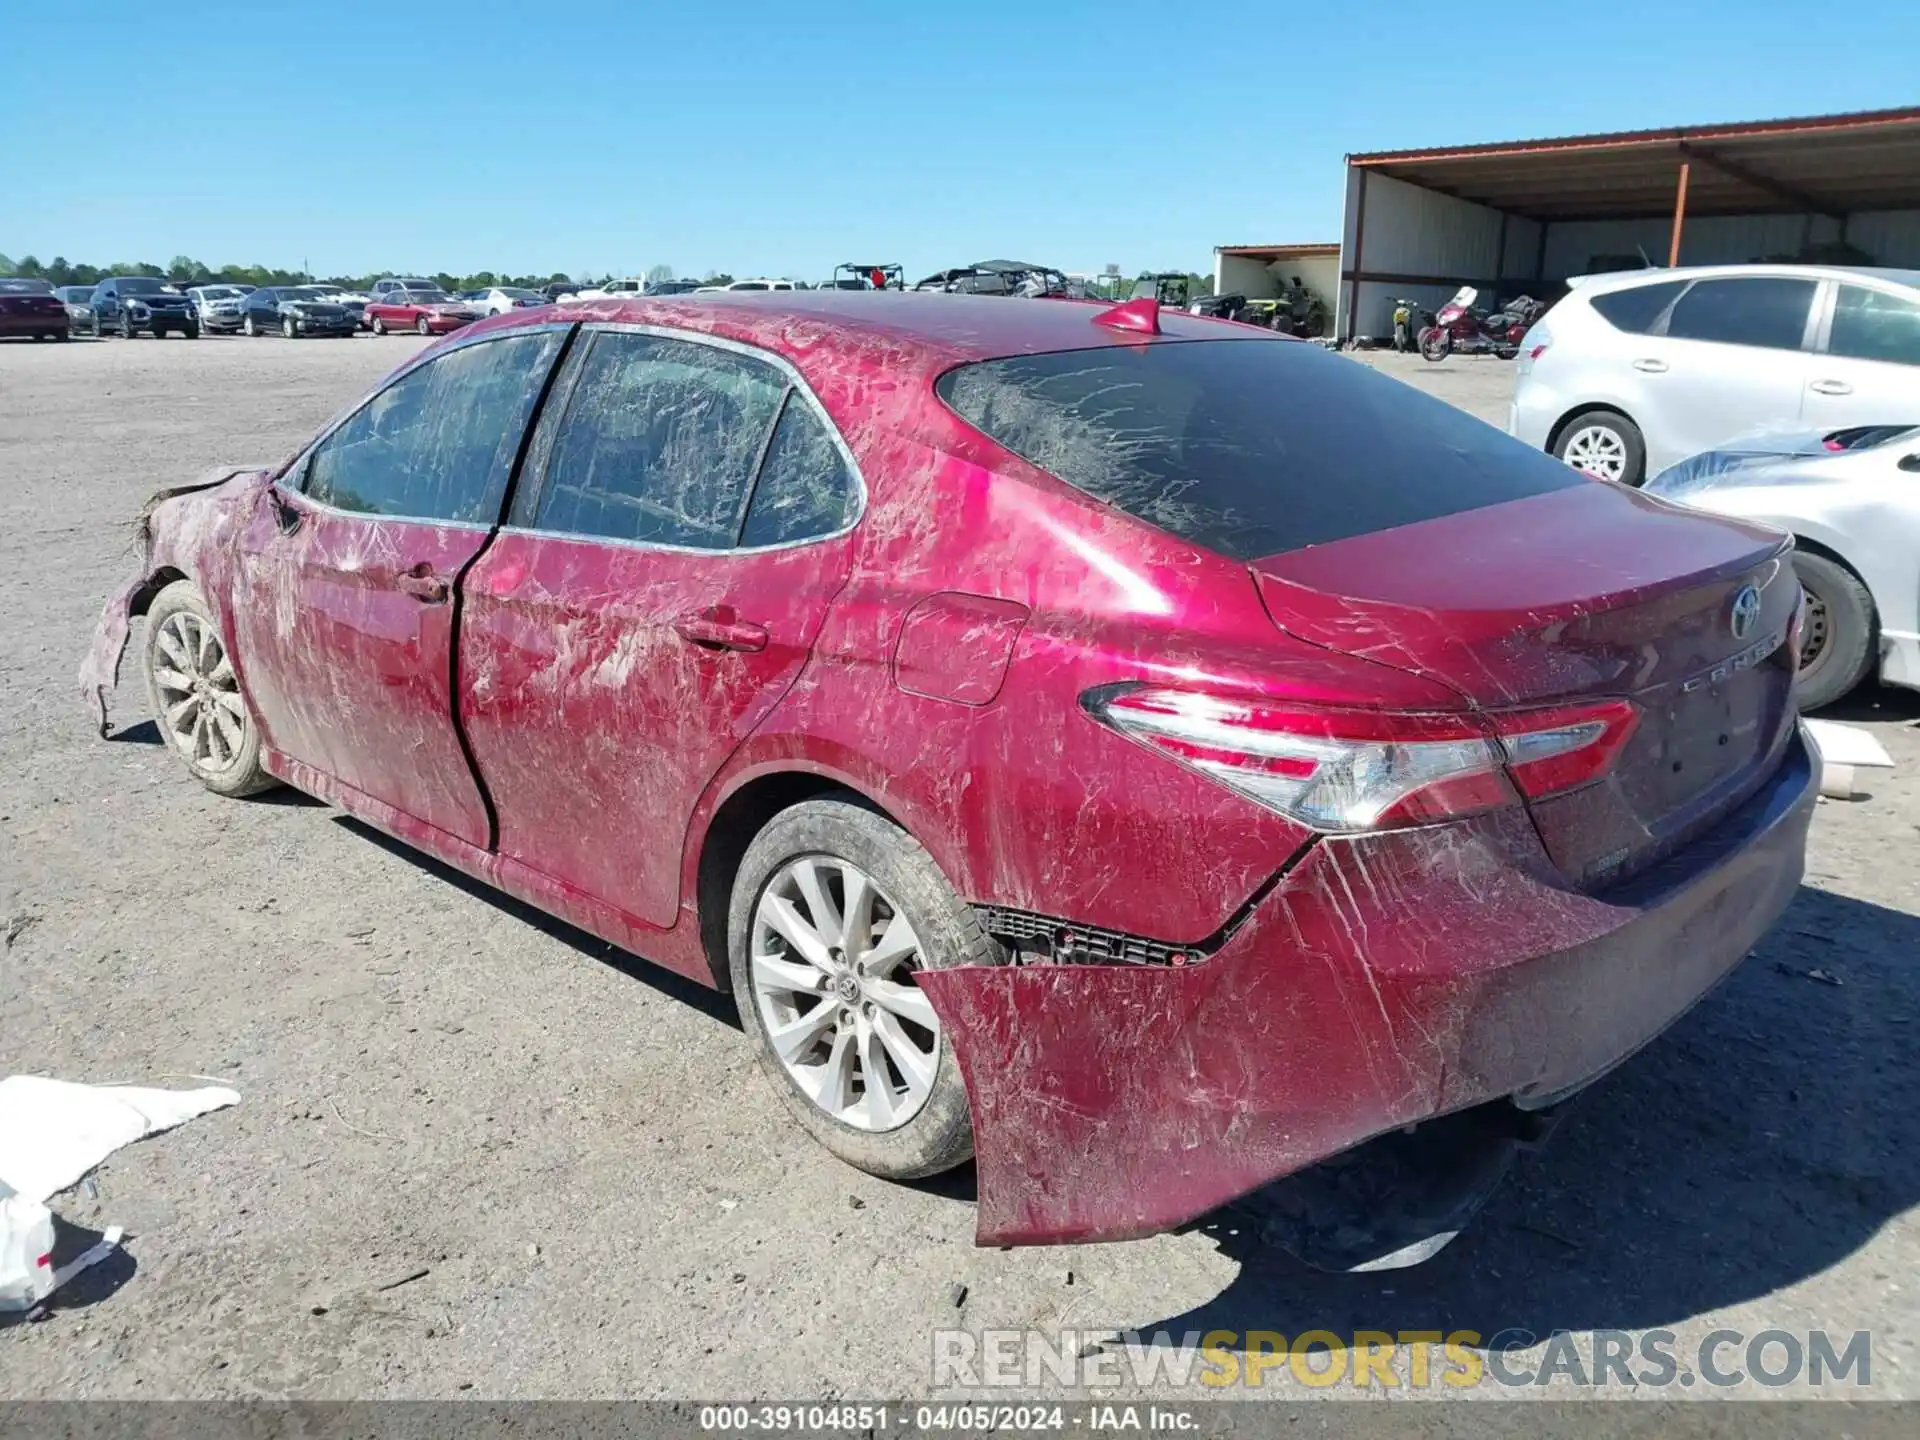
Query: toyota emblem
[{"x": 1746, "y": 612}]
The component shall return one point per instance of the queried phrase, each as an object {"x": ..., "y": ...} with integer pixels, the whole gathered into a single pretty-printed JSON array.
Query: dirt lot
[{"x": 577, "y": 1151}]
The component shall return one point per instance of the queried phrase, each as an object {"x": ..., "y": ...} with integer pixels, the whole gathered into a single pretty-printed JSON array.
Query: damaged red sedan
[{"x": 1147, "y": 754}]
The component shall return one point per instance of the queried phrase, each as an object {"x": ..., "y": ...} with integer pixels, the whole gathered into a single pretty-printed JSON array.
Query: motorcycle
[
  {"x": 1460, "y": 327},
  {"x": 1410, "y": 317}
]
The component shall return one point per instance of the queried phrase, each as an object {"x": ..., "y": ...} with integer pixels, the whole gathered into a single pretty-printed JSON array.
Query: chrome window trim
[{"x": 798, "y": 384}]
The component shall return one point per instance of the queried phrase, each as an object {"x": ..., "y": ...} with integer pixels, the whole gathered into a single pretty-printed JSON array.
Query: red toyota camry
[{"x": 1147, "y": 753}]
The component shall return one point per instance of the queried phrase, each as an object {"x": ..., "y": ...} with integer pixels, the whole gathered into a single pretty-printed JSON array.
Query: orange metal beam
[{"x": 1679, "y": 214}]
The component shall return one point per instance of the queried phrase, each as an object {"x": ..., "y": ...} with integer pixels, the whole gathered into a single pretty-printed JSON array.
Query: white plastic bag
[
  {"x": 52, "y": 1132},
  {"x": 26, "y": 1251}
]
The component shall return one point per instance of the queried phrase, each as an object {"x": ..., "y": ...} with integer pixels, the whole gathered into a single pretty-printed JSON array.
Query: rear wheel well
[
  {"x": 1565, "y": 422},
  {"x": 152, "y": 586},
  {"x": 743, "y": 815},
  {"x": 1827, "y": 552}
]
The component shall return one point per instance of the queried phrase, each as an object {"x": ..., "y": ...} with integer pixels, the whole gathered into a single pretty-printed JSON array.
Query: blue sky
[{"x": 781, "y": 138}]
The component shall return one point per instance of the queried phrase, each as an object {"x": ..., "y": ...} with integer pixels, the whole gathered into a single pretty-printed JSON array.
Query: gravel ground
[{"x": 480, "y": 1154}]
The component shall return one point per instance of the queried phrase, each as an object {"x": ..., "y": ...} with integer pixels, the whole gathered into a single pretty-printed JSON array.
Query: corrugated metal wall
[{"x": 1447, "y": 242}]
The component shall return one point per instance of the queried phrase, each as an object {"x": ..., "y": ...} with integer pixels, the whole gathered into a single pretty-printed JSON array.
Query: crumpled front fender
[{"x": 159, "y": 549}]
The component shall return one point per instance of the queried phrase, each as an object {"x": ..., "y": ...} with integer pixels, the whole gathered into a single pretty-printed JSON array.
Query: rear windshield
[
  {"x": 25, "y": 287},
  {"x": 1249, "y": 447}
]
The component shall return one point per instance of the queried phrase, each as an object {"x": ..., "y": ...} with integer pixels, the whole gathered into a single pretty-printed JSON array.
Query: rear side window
[
  {"x": 1249, "y": 447},
  {"x": 1638, "y": 306},
  {"x": 1873, "y": 325},
  {"x": 659, "y": 442},
  {"x": 806, "y": 488},
  {"x": 439, "y": 442},
  {"x": 1768, "y": 311}
]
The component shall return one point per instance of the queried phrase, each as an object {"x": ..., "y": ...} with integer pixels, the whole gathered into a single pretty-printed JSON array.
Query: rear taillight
[{"x": 1348, "y": 771}]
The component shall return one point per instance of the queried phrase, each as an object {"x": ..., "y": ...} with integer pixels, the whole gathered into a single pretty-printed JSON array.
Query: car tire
[
  {"x": 192, "y": 332},
  {"x": 190, "y": 678},
  {"x": 377, "y": 325},
  {"x": 1604, "y": 444},
  {"x": 1838, "y": 631},
  {"x": 421, "y": 325},
  {"x": 127, "y": 332},
  {"x": 251, "y": 328},
  {"x": 288, "y": 329},
  {"x": 842, "y": 837}
]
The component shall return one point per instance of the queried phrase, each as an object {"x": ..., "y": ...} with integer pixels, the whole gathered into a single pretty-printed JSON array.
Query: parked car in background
[
  {"x": 1851, "y": 500},
  {"x": 671, "y": 287},
  {"x": 392, "y": 283},
  {"x": 32, "y": 308},
  {"x": 760, "y": 284},
  {"x": 429, "y": 311},
  {"x": 554, "y": 289},
  {"x": 1192, "y": 786},
  {"x": 1633, "y": 372},
  {"x": 353, "y": 300},
  {"x": 79, "y": 302},
  {"x": 220, "y": 307},
  {"x": 296, "y": 312},
  {"x": 130, "y": 305},
  {"x": 631, "y": 288},
  {"x": 499, "y": 299}
]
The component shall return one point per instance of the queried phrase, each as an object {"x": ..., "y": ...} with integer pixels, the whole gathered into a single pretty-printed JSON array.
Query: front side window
[
  {"x": 438, "y": 443},
  {"x": 659, "y": 442},
  {"x": 1874, "y": 325},
  {"x": 1763, "y": 310},
  {"x": 805, "y": 488}
]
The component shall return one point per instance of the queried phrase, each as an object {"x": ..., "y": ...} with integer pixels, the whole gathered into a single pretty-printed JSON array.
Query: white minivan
[{"x": 1634, "y": 372}]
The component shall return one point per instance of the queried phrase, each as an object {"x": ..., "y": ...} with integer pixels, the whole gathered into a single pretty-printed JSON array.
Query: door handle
[
  {"x": 1652, "y": 367},
  {"x": 1831, "y": 387},
  {"x": 425, "y": 586},
  {"x": 717, "y": 631}
]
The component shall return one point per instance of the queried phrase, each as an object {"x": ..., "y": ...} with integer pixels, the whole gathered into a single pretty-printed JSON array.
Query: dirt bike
[{"x": 1410, "y": 317}]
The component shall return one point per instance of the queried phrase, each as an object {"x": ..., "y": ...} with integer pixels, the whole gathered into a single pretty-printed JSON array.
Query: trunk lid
[{"x": 1585, "y": 593}]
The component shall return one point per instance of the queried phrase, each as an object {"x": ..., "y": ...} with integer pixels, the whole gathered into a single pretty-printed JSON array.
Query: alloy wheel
[
  {"x": 833, "y": 962},
  {"x": 203, "y": 713},
  {"x": 1599, "y": 451}
]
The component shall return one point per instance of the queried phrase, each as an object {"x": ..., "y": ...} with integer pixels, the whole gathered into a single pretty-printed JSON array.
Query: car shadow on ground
[
  {"x": 1764, "y": 1139},
  {"x": 674, "y": 986},
  {"x": 1871, "y": 703}
]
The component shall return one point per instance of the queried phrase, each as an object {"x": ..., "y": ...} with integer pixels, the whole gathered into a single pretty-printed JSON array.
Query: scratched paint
[{"x": 565, "y": 714}]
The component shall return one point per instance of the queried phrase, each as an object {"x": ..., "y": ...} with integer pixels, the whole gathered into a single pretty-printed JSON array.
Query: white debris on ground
[
  {"x": 52, "y": 1132},
  {"x": 1845, "y": 750}
]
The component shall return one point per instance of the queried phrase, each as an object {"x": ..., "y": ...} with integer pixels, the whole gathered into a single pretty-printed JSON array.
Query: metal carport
[{"x": 1524, "y": 215}]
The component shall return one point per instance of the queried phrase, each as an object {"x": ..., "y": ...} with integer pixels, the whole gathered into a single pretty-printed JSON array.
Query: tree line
[{"x": 185, "y": 270}]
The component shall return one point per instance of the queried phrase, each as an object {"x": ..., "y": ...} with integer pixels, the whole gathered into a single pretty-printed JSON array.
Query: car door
[
  {"x": 636, "y": 619},
  {"x": 1866, "y": 368},
  {"x": 106, "y": 304},
  {"x": 347, "y": 572},
  {"x": 1731, "y": 359}
]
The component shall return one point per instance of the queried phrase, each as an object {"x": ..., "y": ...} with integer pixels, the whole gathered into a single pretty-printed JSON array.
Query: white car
[
  {"x": 1633, "y": 372},
  {"x": 1851, "y": 500},
  {"x": 501, "y": 298},
  {"x": 219, "y": 307},
  {"x": 631, "y": 288},
  {"x": 760, "y": 285}
]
